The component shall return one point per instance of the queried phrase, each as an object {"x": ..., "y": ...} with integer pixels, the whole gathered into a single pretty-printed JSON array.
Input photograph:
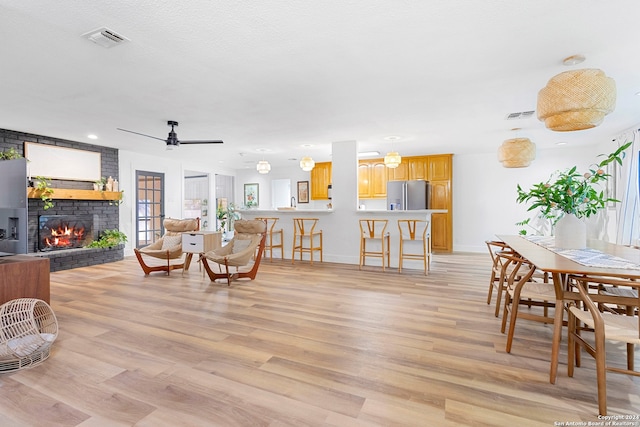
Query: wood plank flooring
[{"x": 321, "y": 345}]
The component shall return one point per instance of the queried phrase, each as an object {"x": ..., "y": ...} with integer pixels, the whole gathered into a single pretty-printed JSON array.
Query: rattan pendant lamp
[
  {"x": 517, "y": 153},
  {"x": 577, "y": 99}
]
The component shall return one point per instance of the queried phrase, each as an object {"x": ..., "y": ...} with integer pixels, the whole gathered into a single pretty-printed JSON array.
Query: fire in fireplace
[{"x": 64, "y": 231}]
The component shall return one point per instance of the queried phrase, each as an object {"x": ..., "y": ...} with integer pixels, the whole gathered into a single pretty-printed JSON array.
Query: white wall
[
  {"x": 484, "y": 192},
  {"x": 130, "y": 162},
  {"x": 293, "y": 173}
]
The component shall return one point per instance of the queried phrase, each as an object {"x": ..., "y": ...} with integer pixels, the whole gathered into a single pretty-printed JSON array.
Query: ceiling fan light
[
  {"x": 263, "y": 167},
  {"x": 307, "y": 163},
  {"x": 392, "y": 160}
]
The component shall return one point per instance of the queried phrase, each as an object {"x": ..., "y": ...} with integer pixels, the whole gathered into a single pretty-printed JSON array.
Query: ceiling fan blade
[
  {"x": 138, "y": 133},
  {"x": 202, "y": 142}
]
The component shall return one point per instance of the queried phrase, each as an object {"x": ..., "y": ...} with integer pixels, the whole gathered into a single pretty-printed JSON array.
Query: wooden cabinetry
[
  {"x": 372, "y": 179},
  {"x": 439, "y": 175},
  {"x": 401, "y": 173},
  {"x": 24, "y": 276},
  {"x": 320, "y": 180},
  {"x": 438, "y": 171}
]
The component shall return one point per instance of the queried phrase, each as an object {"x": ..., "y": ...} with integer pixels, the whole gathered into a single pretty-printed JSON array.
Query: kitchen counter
[
  {"x": 398, "y": 212},
  {"x": 281, "y": 211}
]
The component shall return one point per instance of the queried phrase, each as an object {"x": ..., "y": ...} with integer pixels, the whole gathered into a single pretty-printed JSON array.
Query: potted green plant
[
  {"x": 43, "y": 188},
  {"x": 569, "y": 196},
  {"x": 10, "y": 154},
  {"x": 226, "y": 216},
  {"x": 109, "y": 239}
]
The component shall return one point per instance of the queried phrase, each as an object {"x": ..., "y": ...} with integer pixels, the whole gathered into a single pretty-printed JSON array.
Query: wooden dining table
[{"x": 559, "y": 267}]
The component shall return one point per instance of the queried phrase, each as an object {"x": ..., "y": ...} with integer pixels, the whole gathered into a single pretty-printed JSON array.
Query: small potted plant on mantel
[{"x": 568, "y": 196}]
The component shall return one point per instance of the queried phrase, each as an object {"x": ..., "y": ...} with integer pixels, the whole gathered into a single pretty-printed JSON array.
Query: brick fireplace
[{"x": 103, "y": 214}]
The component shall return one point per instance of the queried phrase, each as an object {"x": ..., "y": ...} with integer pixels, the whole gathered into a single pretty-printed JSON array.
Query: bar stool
[
  {"x": 374, "y": 229},
  {"x": 305, "y": 228},
  {"x": 415, "y": 230},
  {"x": 270, "y": 245}
]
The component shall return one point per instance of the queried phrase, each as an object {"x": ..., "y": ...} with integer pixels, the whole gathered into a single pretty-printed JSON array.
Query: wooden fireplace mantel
[{"x": 64, "y": 193}]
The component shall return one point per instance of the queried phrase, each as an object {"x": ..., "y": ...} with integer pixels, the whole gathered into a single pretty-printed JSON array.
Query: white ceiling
[{"x": 274, "y": 75}]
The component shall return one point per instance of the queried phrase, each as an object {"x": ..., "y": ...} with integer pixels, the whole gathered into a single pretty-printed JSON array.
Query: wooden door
[
  {"x": 401, "y": 173},
  {"x": 378, "y": 174},
  {"x": 364, "y": 180},
  {"x": 441, "y": 232},
  {"x": 320, "y": 180},
  {"x": 417, "y": 168},
  {"x": 439, "y": 167}
]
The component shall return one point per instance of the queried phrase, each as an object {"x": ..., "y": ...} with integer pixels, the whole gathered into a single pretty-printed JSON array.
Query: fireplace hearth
[{"x": 59, "y": 232}]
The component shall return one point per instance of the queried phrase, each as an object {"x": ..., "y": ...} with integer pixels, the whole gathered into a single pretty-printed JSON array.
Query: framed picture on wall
[
  {"x": 303, "y": 191},
  {"x": 251, "y": 195}
]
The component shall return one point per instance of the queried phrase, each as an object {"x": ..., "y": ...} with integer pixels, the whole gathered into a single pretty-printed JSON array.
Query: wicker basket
[{"x": 28, "y": 327}]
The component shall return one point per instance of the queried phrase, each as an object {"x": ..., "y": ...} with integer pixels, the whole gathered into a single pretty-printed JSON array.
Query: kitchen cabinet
[
  {"x": 411, "y": 168},
  {"x": 372, "y": 179},
  {"x": 439, "y": 174},
  {"x": 401, "y": 173},
  {"x": 320, "y": 180}
]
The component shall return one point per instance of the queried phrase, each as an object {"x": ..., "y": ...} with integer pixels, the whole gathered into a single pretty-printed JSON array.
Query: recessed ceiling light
[
  {"x": 264, "y": 150},
  {"x": 561, "y": 143},
  {"x": 573, "y": 60},
  {"x": 307, "y": 145},
  {"x": 638, "y": 93},
  {"x": 92, "y": 136},
  {"x": 393, "y": 138}
]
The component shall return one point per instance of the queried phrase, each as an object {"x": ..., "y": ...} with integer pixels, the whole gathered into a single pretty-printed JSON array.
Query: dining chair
[
  {"x": 497, "y": 280},
  {"x": 414, "y": 231},
  {"x": 372, "y": 230},
  {"x": 606, "y": 325},
  {"x": 523, "y": 290}
]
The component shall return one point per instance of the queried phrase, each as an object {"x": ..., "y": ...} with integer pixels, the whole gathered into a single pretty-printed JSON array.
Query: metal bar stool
[
  {"x": 415, "y": 230},
  {"x": 271, "y": 232},
  {"x": 374, "y": 229},
  {"x": 305, "y": 228}
]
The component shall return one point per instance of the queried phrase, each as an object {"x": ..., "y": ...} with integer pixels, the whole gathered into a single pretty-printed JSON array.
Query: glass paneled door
[{"x": 150, "y": 207}]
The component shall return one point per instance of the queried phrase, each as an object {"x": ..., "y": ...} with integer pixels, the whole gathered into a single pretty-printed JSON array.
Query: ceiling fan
[{"x": 172, "y": 140}]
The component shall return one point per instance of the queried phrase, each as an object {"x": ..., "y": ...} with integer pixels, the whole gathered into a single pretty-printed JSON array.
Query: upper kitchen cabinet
[
  {"x": 372, "y": 179},
  {"x": 401, "y": 173},
  {"x": 411, "y": 168},
  {"x": 320, "y": 180},
  {"x": 439, "y": 167}
]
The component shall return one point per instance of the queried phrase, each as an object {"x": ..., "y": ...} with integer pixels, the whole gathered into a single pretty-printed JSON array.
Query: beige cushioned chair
[
  {"x": 169, "y": 247},
  {"x": 249, "y": 236}
]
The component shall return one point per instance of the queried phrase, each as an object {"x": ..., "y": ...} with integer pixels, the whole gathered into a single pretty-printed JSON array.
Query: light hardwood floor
[{"x": 301, "y": 345}]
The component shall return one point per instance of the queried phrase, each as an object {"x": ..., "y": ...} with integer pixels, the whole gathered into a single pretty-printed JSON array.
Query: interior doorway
[{"x": 196, "y": 198}]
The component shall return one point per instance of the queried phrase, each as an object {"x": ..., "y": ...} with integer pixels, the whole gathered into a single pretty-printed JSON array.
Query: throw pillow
[
  {"x": 240, "y": 245},
  {"x": 169, "y": 242}
]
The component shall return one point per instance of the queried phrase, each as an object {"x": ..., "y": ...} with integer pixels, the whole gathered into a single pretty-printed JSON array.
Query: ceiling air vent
[
  {"x": 105, "y": 37},
  {"x": 520, "y": 115}
]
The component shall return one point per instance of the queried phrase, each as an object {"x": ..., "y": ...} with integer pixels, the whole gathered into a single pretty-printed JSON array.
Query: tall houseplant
[{"x": 572, "y": 194}]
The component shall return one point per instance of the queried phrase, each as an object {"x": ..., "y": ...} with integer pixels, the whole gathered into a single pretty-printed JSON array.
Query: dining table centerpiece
[{"x": 568, "y": 196}]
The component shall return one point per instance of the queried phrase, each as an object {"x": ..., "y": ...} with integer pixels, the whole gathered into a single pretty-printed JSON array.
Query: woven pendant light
[
  {"x": 307, "y": 163},
  {"x": 392, "y": 160},
  {"x": 576, "y": 100},
  {"x": 263, "y": 167},
  {"x": 517, "y": 153}
]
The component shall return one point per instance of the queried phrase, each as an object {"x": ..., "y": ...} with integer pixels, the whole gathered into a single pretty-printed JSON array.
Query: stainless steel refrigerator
[{"x": 408, "y": 195}]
